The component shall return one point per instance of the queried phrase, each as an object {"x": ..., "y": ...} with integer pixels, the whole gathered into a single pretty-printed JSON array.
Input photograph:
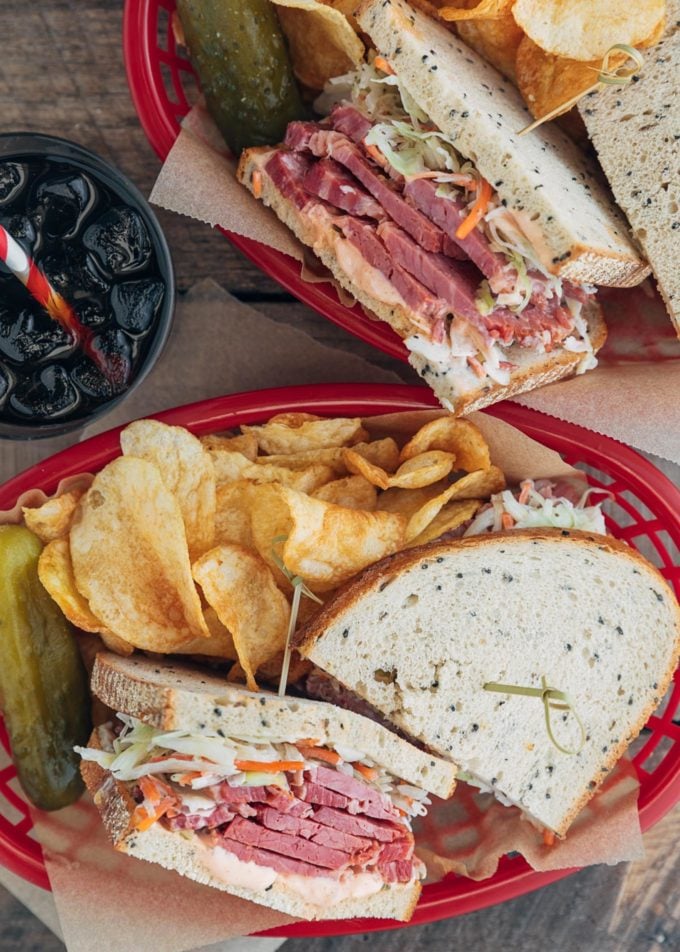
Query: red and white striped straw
[
  {"x": 36, "y": 283},
  {"x": 27, "y": 271}
]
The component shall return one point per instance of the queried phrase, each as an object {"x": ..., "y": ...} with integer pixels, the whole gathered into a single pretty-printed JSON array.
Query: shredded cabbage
[
  {"x": 537, "y": 509},
  {"x": 141, "y": 750}
]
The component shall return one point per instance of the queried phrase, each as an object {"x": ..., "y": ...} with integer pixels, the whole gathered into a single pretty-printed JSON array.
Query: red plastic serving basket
[
  {"x": 161, "y": 81},
  {"x": 644, "y": 511}
]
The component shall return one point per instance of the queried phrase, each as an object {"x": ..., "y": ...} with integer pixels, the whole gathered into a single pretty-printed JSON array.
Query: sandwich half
[
  {"x": 430, "y": 636},
  {"x": 291, "y": 803},
  {"x": 480, "y": 248}
]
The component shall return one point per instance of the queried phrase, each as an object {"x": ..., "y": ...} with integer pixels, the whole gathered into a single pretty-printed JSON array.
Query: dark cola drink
[{"x": 98, "y": 252}]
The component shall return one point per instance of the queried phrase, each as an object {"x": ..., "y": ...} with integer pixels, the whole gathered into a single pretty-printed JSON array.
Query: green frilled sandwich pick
[
  {"x": 239, "y": 52},
  {"x": 43, "y": 684}
]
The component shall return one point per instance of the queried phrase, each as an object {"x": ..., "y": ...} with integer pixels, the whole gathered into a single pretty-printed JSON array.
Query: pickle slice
[{"x": 43, "y": 684}]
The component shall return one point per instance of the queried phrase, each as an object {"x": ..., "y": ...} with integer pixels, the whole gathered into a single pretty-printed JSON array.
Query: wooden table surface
[{"x": 61, "y": 72}]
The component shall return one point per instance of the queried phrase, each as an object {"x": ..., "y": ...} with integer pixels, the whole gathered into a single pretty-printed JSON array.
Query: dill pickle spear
[
  {"x": 43, "y": 685},
  {"x": 239, "y": 52}
]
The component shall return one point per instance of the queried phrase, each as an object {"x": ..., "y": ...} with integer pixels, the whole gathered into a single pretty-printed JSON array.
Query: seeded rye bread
[
  {"x": 171, "y": 697},
  {"x": 185, "y": 855},
  {"x": 466, "y": 392},
  {"x": 636, "y": 132},
  {"x": 418, "y": 635},
  {"x": 176, "y": 696},
  {"x": 542, "y": 174}
]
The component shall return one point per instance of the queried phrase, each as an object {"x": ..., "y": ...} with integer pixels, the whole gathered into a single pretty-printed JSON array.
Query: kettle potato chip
[
  {"x": 450, "y": 517},
  {"x": 547, "y": 81},
  {"x": 130, "y": 558},
  {"x": 187, "y": 471},
  {"x": 495, "y": 40},
  {"x": 352, "y": 492},
  {"x": 52, "y": 520},
  {"x": 241, "y": 589},
  {"x": 297, "y": 432},
  {"x": 325, "y": 544},
  {"x": 245, "y": 443},
  {"x": 586, "y": 29},
  {"x": 451, "y": 435},
  {"x": 484, "y": 10},
  {"x": 321, "y": 40}
]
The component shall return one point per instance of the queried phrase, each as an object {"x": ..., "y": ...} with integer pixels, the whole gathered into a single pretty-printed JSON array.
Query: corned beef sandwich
[
  {"x": 480, "y": 248},
  {"x": 294, "y": 804}
]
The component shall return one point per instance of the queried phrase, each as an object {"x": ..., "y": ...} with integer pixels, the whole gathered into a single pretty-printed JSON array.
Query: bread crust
[
  {"x": 182, "y": 854},
  {"x": 532, "y": 370},
  {"x": 350, "y": 595}
]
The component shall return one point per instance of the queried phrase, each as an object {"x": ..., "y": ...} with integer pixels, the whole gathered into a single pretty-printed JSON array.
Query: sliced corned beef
[
  {"x": 287, "y": 171},
  {"x": 312, "y": 830},
  {"x": 315, "y": 793},
  {"x": 324, "y": 143},
  {"x": 398, "y": 850},
  {"x": 359, "y": 824},
  {"x": 330, "y": 181},
  {"x": 286, "y": 802},
  {"x": 456, "y": 283},
  {"x": 297, "y": 847},
  {"x": 347, "y": 119},
  {"x": 201, "y": 821},
  {"x": 448, "y": 213},
  {"x": 275, "y": 861},
  {"x": 365, "y": 238},
  {"x": 349, "y": 787},
  {"x": 399, "y": 871},
  {"x": 228, "y": 794}
]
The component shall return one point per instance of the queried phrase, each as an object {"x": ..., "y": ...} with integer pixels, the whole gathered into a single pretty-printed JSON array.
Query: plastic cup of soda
[{"x": 98, "y": 242}]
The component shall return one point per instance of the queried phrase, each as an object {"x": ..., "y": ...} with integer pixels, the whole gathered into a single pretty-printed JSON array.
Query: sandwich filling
[
  {"x": 320, "y": 818},
  {"x": 414, "y": 223}
]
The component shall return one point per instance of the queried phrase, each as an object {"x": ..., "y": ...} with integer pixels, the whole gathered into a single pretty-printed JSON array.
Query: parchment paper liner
[
  {"x": 635, "y": 404},
  {"x": 139, "y": 905}
]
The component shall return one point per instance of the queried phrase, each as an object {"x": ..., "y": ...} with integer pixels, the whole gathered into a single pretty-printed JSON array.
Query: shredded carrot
[
  {"x": 142, "y": 819},
  {"x": 376, "y": 154},
  {"x": 268, "y": 766},
  {"x": 524, "y": 494},
  {"x": 319, "y": 753},
  {"x": 548, "y": 837},
  {"x": 307, "y": 742},
  {"x": 186, "y": 778},
  {"x": 256, "y": 180},
  {"x": 477, "y": 211},
  {"x": 507, "y": 521},
  {"x": 368, "y": 772},
  {"x": 381, "y": 63},
  {"x": 476, "y": 367},
  {"x": 168, "y": 756},
  {"x": 154, "y": 789}
]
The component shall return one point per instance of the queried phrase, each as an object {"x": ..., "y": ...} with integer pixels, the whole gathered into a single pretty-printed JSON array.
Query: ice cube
[
  {"x": 91, "y": 381},
  {"x": 90, "y": 312},
  {"x": 120, "y": 241},
  {"x": 73, "y": 272},
  {"x": 61, "y": 204},
  {"x": 31, "y": 336},
  {"x": 135, "y": 304},
  {"x": 46, "y": 393},
  {"x": 13, "y": 177}
]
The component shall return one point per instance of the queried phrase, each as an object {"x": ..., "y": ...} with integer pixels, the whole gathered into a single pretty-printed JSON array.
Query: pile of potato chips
[
  {"x": 192, "y": 546},
  {"x": 551, "y": 49}
]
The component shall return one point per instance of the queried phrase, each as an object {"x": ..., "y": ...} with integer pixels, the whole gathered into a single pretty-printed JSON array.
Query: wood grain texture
[{"x": 61, "y": 72}]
